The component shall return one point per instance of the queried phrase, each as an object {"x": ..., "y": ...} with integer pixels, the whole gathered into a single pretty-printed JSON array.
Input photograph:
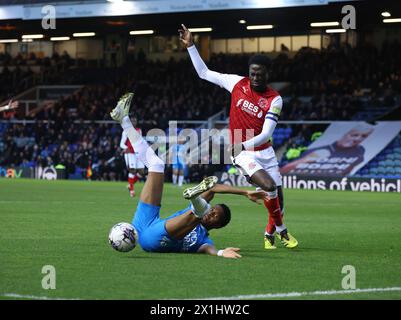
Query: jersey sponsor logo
[
  {"x": 239, "y": 102},
  {"x": 250, "y": 108},
  {"x": 189, "y": 240}
]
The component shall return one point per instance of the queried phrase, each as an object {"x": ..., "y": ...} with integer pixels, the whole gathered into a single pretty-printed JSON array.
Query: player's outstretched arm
[
  {"x": 230, "y": 253},
  {"x": 255, "y": 196},
  {"x": 226, "y": 81},
  {"x": 10, "y": 106}
]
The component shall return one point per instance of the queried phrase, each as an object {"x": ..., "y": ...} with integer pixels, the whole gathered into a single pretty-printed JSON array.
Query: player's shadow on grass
[{"x": 155, "y": 256}]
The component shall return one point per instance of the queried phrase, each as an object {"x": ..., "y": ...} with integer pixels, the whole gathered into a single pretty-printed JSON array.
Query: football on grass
[{"x": 123, "y": 237}]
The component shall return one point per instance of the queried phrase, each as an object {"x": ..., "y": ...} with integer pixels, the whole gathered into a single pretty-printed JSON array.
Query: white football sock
[
  {"x": 272, "y": 194},
  {"x": 280, "y": 228},
  {"x": 199, "y": 206},
  {"x": 180, "y": 180},
  {"x": 174, "y": 179},
  {"x": 145, "y": 152}
]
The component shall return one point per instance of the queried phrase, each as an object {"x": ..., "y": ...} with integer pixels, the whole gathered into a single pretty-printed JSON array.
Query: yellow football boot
[
  {"x": 269, "y": 242},
  {"x": 287, "y": 239}
]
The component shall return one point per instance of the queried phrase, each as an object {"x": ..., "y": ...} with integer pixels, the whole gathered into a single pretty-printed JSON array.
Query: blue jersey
[
  {"x": 178, "y": 151},
  {"x": 191, "y": 242},
  {"x": 153, "y": 236}
]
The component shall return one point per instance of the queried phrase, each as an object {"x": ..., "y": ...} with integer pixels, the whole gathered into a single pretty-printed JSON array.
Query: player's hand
[
  {"x": 13, "y": 104},
  {"x": 231, "y": 253},
  {"x": 257, "y": 196},
  {"x": 186, "y": 36}
]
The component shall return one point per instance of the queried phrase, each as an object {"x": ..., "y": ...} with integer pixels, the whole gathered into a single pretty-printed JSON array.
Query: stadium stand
[
  {"x": 330, "y": 84},
  {"x": 386, "y": 164}
]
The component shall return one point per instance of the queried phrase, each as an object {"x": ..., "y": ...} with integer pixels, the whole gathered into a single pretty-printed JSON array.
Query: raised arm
[
  {"x": 10, "y": 106},
  {"x": 226, "y": 81},
  {"x": 255, "y": 196}
]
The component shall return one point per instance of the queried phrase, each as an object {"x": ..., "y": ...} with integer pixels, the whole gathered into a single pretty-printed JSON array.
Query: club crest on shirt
[
  {"x": 262, "y": 103},
  {"x": 252, "y": 165}
]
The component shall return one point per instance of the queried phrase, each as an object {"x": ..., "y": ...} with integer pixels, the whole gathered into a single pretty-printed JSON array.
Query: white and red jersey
[
  {"x": 125, "y": 144},
  {"x": 248, "y": 112},
  {"x": 253, "y": 115}
]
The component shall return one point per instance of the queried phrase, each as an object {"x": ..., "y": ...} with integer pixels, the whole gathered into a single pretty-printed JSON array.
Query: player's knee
[{"x": 268, "y": 185}]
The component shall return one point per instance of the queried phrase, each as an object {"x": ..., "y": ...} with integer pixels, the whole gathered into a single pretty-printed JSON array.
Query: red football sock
[
  {"x": 275, "y": 217},
  {"x": 131, "y": 183},
  {"x": 135, "y": 179},
  {"x": 270, "y": 227}
]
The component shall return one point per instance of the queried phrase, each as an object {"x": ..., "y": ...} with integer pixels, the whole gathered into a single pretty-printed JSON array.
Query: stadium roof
[
  {"x": 226, "y": 24},
  {"x": 28, "y": 10}
]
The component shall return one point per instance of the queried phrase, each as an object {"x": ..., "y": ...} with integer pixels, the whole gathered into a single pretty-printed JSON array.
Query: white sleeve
[
  {"x": 224, "y": 80},
  {"x": 269, "y": 125},
  {"x": 122, "y": 141}
]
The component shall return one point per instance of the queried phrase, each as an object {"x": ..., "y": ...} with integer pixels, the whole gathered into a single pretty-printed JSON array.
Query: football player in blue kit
[{"x": 186, "y": 230}]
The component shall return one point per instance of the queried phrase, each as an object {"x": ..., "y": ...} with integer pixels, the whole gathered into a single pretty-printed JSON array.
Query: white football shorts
[
  {"x": 248, "y": 162},
  {"x": 132, "y": 161}
]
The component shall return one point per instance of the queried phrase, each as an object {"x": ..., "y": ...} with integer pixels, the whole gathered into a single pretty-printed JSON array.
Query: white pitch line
[
  {"x": 24, "y": 296},
  {"x": 302, "y": 294},
  {"x": 239, "y": 297}
]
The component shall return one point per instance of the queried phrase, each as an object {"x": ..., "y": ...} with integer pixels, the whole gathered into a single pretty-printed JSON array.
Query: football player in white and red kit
[
  {"x": 254, "y": 112},
  {"x": 134, "y": 165}
]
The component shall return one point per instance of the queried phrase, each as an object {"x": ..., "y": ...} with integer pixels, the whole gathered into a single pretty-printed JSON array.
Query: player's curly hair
[
  {"x": 260, "y": 59},
  {"x": 226, "y": 217}
]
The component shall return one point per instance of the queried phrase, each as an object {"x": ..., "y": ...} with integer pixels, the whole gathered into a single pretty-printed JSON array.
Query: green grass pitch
[{"x": 66, "y": 224}]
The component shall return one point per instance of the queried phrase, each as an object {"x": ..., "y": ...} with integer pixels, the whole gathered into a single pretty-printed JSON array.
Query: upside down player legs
[
  {"x": 187, "y": 230},
  {"x": 254, "y": 106}
]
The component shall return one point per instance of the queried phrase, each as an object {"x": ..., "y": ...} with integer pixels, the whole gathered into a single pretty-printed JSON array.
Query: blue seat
[
  {"x": 389, "y": 170},
  {"x": 381, "y": 170},
  {"x": 390, "y": 156}
]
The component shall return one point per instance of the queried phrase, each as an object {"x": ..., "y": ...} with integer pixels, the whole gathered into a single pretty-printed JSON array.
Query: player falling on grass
[
  {"x": 186, "y": 230},
  {"x": 135, "y": 166},
  {"x": 254, "y": 107}
]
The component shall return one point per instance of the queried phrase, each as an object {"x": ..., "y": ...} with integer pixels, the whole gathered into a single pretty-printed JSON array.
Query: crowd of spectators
[
  {"x": 329, "y": 84},
  {"x": 163, "y": 91},
  {"x": 22, "y": 71},
  {"x": 67, "y": 144}
]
